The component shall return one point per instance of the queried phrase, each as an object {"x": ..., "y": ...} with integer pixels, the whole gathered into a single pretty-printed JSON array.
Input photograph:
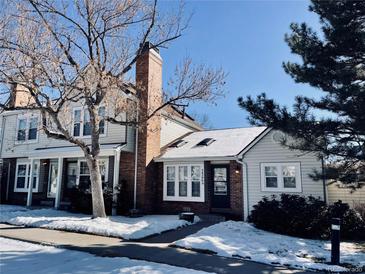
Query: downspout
[
  {"x": 245, "y": 201},
  {"x": 136, "y": 160},
  {"x": 8, "y": 183},
  {"x": 116, "y": 178}
]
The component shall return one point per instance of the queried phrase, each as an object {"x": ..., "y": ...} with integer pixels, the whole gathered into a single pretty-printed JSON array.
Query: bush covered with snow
[{"x": 307, "y": 217}]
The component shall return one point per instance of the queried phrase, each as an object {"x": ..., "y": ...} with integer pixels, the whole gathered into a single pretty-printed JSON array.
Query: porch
[{"x": 57, "y": 174}]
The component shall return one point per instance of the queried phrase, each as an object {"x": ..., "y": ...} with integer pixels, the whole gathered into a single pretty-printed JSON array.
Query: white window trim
[
  {"x": 82, "y": 136},
  {"x": 26, "y": 162},
  {"x": 26, "y": 117},
  {"x": 189, "y": 197},
  {"x": 106, "y": 160},
  {"x": 281, "y": 188},
  {"x": 50, "y": 194}
]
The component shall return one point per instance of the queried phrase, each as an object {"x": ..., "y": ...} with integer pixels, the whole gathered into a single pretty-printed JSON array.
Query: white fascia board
[
  {"x": 253, "y": 143},
  {"x": 194, "y": 159},
  {"x": 69, "y": 152}
]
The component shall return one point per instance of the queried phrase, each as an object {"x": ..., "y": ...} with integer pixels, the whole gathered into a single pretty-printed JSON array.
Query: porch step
[
  {"x": 221, "y": 210},
  {"x": 46, "y": 203},
  {"x": 212, "y": 218},
  {"x": 65, "y": 205}
]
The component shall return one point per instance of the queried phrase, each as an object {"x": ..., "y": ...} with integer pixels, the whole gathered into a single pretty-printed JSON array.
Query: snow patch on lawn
[
  {"x": 9, "y": 208},
  {"x": 116, "y": 226},
  {"x": 240, "y": 239},
  {"x": 18, "y": 256}
]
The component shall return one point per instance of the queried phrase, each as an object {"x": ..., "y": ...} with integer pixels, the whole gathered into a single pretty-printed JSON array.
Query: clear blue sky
[{"x": 246, "y": 38}]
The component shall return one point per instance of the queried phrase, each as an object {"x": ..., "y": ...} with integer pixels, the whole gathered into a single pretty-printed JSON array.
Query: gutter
[{"x": 245, "y": 196}]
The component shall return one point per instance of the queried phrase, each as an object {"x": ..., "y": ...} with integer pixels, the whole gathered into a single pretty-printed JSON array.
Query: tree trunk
[{"x": 96, "y": 188}]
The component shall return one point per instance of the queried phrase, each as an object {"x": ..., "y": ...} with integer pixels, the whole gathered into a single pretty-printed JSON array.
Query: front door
[
  {"x": 220, "y": 192},
  {"x": 71, "y": 179},
  {"x": 52, "y": 180}
]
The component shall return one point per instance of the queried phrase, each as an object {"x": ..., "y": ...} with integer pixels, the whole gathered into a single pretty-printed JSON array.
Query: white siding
[
  {"x": 114, "y": 134},
  {"x": 171, "y": 130},
  {"x": 266, "y": 150},
  {"x": 335, "y": 193},
  {"x": 131, "y": 138}
]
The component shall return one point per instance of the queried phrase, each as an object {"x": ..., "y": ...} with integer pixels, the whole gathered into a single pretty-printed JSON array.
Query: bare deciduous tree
[{"x": 66, "y": 52}]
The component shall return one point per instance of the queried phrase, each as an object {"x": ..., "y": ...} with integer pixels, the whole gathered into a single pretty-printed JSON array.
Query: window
[
  {"x": 22, "y": 129},
  {"x": 87, "y": 124},
  {"x": 184, "y": 182},
  {"x": 271, "y": 176},
  {"x": 102, "y": 120},
  {"x": 27, "y": 128},
  {"x": 284, "y": 177},
  {"x": 32, "y": 131},
  {"x": 84, "y": 173},
  {"x": 178, "y": 143},
  {"x": 195, "y": 180},
  {"x": 81, "y": 122},
  {"x": 170, "y": 180},
  {"x": 84, "y": 176},
  {"x": 22, "y": 176},
  {"x": 77, "y": 122},
  {"x": 220, "y": 181},
  {"x": 206, "y": 142}
]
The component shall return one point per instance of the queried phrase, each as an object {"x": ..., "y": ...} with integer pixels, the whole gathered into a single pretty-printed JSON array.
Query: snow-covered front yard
[
  {"x": 116, "y": 226},
  {"x": 239, "y": 239},
  {"x": 21, "y": 257}
]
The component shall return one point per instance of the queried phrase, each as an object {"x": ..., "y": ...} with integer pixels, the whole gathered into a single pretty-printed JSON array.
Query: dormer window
[
  {"x": 206, "y": 142},
  {"x": 27, "y": 128}
]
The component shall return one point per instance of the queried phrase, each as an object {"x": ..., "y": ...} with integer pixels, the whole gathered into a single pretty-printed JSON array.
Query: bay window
[
  {"x": 22, "y": 176},
  {"x": 284, "y": 177},
  {"x": 183, "y": 182}
]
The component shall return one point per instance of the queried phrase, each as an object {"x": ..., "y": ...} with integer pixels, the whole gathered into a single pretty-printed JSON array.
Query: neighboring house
[
  {"x": 179, "y": 166},
  {"x": 230, "y": 170},
  {"x": 338, "y": 191},
  {"x": 22, "y": 143}
]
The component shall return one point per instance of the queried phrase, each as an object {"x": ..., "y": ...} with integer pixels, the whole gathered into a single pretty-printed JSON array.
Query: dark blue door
[{"x": 220, "y": 183}]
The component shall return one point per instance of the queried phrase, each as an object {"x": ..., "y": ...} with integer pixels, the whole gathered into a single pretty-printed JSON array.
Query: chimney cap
[{"x": 147, "y": 46}]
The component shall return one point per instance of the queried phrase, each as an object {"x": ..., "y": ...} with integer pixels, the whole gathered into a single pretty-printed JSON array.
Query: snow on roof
[{"x": 228, "y": 142}]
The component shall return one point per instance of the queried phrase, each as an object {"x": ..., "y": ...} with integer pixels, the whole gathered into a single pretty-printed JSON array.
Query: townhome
[
  {"x": 23, "y": 145},
  {"x": 175, "y": 165}
]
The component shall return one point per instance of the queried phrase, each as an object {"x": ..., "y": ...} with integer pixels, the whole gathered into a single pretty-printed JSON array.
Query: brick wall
[
  {"x": 236, "y": 188},
  {"x": 172, "y": 207},
  {"x": 126, "y": 178},
  {"x": 236, "y": 202},
  {"x": 149, "y": 85}
]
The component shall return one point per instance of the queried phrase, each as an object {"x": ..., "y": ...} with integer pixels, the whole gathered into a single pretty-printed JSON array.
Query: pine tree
[{"x": 332, "y": 61}]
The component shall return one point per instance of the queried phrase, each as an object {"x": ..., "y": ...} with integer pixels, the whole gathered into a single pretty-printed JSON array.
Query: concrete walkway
[{"x": 154, "y": 249}]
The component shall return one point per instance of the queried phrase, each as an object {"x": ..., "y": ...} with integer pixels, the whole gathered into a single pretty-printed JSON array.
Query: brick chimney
[
  {"x": 20, "y": 96},
  {"x": 149, "y": 86}
]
